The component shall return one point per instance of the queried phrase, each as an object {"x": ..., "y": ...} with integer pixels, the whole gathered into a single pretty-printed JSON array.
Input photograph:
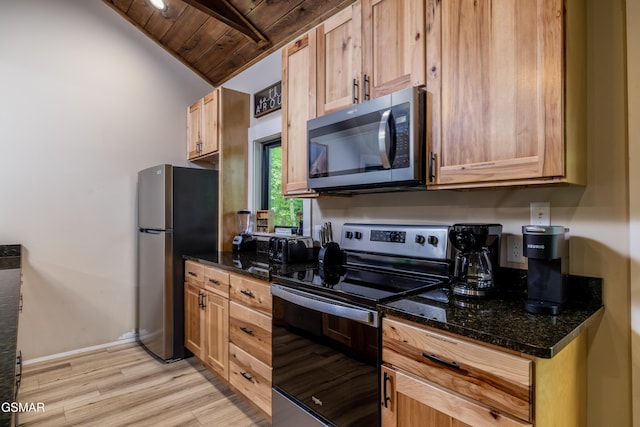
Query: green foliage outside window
[{"x": 285, "y": 210}]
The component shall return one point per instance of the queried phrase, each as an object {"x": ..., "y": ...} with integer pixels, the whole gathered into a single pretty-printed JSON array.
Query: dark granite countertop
[
  {"x": 499, "y": 320},
  {"x": 502, "y": 320},
  {"x": 254, "y": 264},
  {"x": 10, "y": 280}
]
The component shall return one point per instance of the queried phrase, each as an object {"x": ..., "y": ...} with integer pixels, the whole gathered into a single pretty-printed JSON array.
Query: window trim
[{"x": 265, "y": 170}]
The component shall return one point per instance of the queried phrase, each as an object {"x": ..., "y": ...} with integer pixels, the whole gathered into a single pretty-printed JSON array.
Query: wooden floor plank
[{"x": 124, "y": 385}]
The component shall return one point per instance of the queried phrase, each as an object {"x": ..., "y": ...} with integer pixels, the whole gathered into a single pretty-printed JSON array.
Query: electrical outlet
[
  {"x": 540, "y": 213},
  {"x": 514, "y": 249}
]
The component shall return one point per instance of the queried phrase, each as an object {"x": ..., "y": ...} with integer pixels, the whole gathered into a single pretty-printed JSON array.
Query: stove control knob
[
  {"x": 420, "y": 239},
  {"x": 358, "y": 235},
  {"x": 433, "y": 240},
  {"x": 349, "y": 234}
]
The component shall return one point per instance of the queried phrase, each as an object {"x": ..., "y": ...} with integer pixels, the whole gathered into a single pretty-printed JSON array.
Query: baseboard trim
[{"x": 79, "y": 351}]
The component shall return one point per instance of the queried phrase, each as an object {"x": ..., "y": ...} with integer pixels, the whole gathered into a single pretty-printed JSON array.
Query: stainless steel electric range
[{"x": 326, "y": 328}]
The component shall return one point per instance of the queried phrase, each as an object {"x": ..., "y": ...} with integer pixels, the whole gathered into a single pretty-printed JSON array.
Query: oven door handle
[{"x": 325, "y": 305}]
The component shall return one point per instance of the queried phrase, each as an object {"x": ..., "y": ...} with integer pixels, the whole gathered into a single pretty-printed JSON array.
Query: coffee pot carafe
[{"x": 478, "y": 252}]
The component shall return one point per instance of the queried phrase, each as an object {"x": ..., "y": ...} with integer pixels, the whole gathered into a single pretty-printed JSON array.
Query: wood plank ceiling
[{"x": 216, "y": 50}]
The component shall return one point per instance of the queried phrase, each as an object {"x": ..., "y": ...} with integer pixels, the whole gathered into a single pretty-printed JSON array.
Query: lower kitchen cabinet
[
  {"x": 216, "y": 352},
  {"x": 228, "y": 328},
  {"x": 207, "y": 316},
  {"x": 251, "y": 377},
  {"x": 193, "y": 323},
  {"x": 250, "y": 336},
  {"x": 435, "y": 379},
  {"x": 410, "y": 401}
]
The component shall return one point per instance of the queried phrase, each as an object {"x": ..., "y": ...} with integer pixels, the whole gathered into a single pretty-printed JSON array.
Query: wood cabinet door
[
  {"x": 393, "y": 45},
  {"x": 408, "y": 401},
  {"x": 339, "y": 61},
  {"x": 298, "y": 106},
  {"x": 216, "y": 342},
  {"x": 193, "y": 322},
  {"x": 194, "y": 129},
  {"x": 210, "y": 117},
  {"x": 495, "y": 71}
]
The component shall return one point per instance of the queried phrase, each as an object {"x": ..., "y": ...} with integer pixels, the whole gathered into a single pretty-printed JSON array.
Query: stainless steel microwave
[{"x": 378, "y": 145}]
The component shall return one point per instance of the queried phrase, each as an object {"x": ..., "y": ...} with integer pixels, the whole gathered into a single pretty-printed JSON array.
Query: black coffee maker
[
  {"x": 547, "y": 248},
  {"x": 478, "y": 255}
]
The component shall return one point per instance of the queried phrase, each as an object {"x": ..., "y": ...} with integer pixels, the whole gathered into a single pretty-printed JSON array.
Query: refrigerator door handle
[{"x": 151, "y": 231}]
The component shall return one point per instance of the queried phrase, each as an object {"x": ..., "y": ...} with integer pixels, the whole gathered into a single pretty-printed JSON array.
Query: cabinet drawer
[
  {"x": 459, "y": 409},
  {"x": 216, "y": 281},
  {"x": 252, "y": 293},
  {"x": 251, "y": 377},
  {"x": 494, "y": 378},
  {"x": 194, "y": 272},
  {"x": 251, "y": 331}
]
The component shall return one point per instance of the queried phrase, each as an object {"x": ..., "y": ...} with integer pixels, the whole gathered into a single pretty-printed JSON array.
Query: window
[{"x": 286, "y": 211}]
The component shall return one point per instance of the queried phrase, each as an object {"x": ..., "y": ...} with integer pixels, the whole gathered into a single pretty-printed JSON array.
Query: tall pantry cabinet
[{"x": 217, "y": 132}]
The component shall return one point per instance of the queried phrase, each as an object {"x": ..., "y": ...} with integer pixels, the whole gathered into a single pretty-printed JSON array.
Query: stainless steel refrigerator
[{"x": 177, "y": 215}]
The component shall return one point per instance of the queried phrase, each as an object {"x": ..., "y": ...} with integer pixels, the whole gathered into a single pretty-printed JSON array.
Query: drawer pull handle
[
  {"x": 436, "y": 359},
  {"x": 387, "y": 377},
  {"x": 247, "y": 293},
  {"x": 214, "y": 281},
  {"x": 191, "y": 273},
  {"x": 246, "y": 376},
  {"x": 246, "y": 330}
]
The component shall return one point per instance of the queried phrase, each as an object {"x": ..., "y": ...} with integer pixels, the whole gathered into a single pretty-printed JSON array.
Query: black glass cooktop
[{"x": 361, "y": 286}]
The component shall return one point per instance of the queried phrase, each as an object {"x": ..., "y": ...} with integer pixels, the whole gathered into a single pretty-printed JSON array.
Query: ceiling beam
[{"x": 225, "y": 12}]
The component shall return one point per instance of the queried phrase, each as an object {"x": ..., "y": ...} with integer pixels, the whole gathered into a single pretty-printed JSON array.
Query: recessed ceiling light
[{"x": 158, "y": 4}]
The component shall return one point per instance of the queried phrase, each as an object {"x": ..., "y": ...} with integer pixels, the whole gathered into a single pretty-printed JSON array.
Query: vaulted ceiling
[{"x": 219, "y": 38}]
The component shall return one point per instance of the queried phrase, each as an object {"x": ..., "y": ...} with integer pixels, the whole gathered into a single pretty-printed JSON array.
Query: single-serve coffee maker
[
  {"x": 477, "y": 257},
  {"x": 547, "y": 248}
]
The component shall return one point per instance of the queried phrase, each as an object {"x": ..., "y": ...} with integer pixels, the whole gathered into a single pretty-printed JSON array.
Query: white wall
[{"x": 86, "y": 101}]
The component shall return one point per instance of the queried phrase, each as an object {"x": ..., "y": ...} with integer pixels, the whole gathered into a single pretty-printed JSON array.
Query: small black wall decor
[{"x": 267, "y": 100}]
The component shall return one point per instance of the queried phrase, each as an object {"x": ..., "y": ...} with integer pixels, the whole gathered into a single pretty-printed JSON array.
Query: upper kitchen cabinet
[
  {"x": 221, "y": 115},
  {"x": 298, "y": 106},
  {"x": 508, "y": 85},
  {"x": 202, "y": 124},
  {"x": 370, "y": 49},
  {"x": 393, "y": 45},
  {"x": 339, "y": 60}
]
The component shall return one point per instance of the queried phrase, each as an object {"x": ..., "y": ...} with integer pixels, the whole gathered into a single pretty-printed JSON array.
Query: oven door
[
  {"x": 379, "y": 142},
  {"x": 325, "y": 361}
]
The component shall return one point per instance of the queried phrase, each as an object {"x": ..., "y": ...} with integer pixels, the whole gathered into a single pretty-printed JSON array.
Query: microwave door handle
[{"x": 384, "y": 139}]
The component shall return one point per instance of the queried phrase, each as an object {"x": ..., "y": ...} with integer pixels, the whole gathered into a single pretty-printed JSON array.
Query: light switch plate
[{"x": 540, "y": 213}]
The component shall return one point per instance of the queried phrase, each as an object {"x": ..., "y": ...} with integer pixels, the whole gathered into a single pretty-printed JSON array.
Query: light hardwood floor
[{"x": 124, "y": 386}]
